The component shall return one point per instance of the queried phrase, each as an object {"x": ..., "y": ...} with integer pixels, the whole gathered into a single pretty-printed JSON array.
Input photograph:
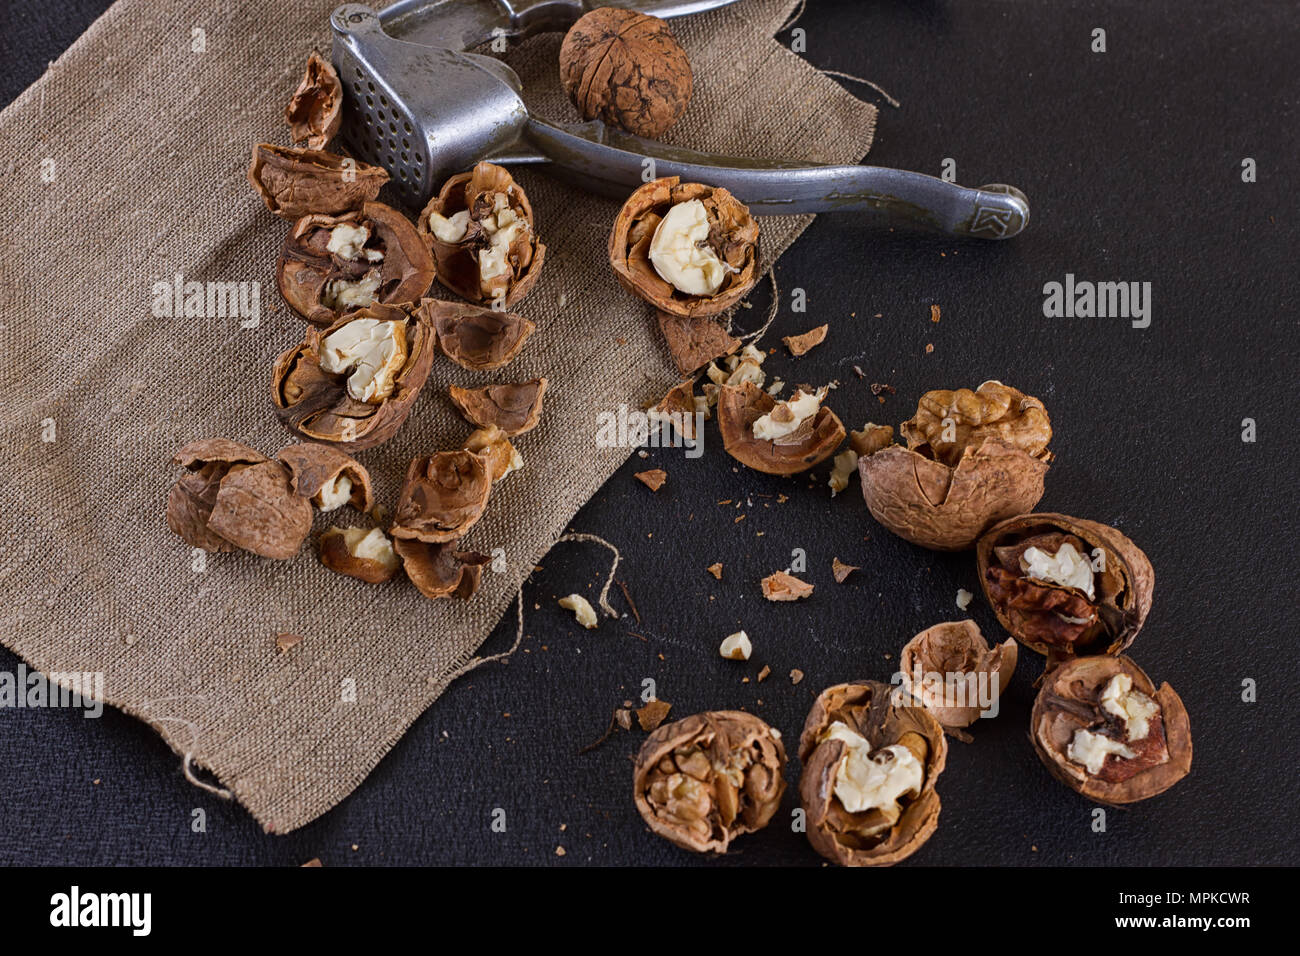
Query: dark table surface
[{"x": 1132, "y": 159}]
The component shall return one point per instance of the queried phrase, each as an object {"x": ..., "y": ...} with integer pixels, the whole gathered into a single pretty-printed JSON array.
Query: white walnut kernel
[
  {"x": 581, "y": 608},
  {"x": 736, "y": 647},
  {"x": 680, "y": 253},
  {"x": 372, "y": 350}
]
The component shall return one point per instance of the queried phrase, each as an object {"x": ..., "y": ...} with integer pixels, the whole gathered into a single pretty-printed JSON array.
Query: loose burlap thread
[{"x": 125, "y": 167}]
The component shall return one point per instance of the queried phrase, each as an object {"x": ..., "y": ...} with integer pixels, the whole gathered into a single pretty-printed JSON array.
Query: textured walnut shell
[
  {"x": 705, "y": 780},
  {"x": 443, "y": 496},
  {"x": 883, "y": 715},
  {"x": 299, "y": 182},
  {"x": 315, "y": 404},
  {"x": 733, "y": 236},
  {"x": 813, "y": 442},
  {"x": 316, "y": 109},
  {"x": 1123, "y": 591},
  {"x": 256, "y": 510},
  {"x": 513, "y": 408},
  {"x": 473, "y": 337},
  {"x": 306, "y": 267},
  {"x": 677, "y": 409},
  {"x": 955, "y": 649},
  {"x": 695, "y": 341},
  {"x": 192, "y": 498},
  {"x": 1068, "y": 701},
  {"x": 493, "y": 444},
  {"x": 439, "y": 570},
  {"x": 944, "y": 508},
  {"x": 626, "y": 69},
  {"x": 457, "y": 262},
  {"x": 948, "y": 422},
  {"x": 334, "y": 554},
  {"x": 312, "y": 466}
]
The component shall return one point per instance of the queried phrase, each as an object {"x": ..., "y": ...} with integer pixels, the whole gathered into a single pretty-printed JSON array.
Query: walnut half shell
[
  {"x": 316, "y": 109},
  {"x": 299, "y": 182},
  {"x": 444, "y": 495},
  {"x": 951, "y": 670},
  {"x": 705, "y": 780},
  {"x": 441, "y": 570},
  {"x": 473, "y": 337},
  {"x": 815, "y": 440},
  {"x": 514, "y": 408}
]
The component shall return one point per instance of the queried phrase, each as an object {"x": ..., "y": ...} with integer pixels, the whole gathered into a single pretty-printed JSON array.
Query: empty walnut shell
[
  {"x": 473, "y": 337},
  {"x": 440, "y": 570},
  {"x": 705, "y": 780},
  {"x": 811, "y": 443},
  {"x": 1061, "y": 621},
  {"x": 315, "y": 404},
  {"x": 626, "y": 69},
  {"x": 192, "y": 498},
  {"x": 733, "y": 237},
  {"x": 317, "y": 470},
  {"x": 316, "y": 109},
  {"x": 884, "y": 716},
  {"x": 1070, "y": 701},
  {"x": 443, "y": 497},
  {"x": 255, "y": 509},
  {"x": 299, "y": 182},
  {"x": 513, "y": 408},
  {"x": 482, "y": 195},
  {"x": 390, "y": 266},
  {"x": 951, "y": 670},
  {"x": 343, "y": 550}
]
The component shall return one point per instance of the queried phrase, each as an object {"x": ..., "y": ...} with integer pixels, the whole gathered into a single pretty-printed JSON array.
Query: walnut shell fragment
[
  {"x": 781, "y": 586},
  {"x": 330, "y": 265},
  {"x": 481, "y": 233},
  {"x": 476, "y": 338},
  {"x": 316, "y": 109},
  {"x": 678, "y": 410},
  {"x": 443, "y": 496},
  {"x": 362, "y": 553},
  {"x": 192, "y": 498},
  {"x": 1065, "y": 586},
  {"x": 871, "y": 756},
  {"x": 1102, "y": 728},
  {"x": 702, "y": 781},
  {"x": 299, "y": 182},
  {"x": 626, "y": 69},
  {"x": 256, "y": 510},
  {"x": 327, "y": 476},
  {"x": 804, "y": 343},
  {"x": 708, "y": 249},
  {"x": 695, "y": 341},
  {"x": 492, "y": 443},
  {"x": 314, "y": 385},
  {"x": 813, "y": 441},
  {"x": 951, "y": 670},
  {"x": 440, "y": 570},
  {"x": 513, "y": 408}
]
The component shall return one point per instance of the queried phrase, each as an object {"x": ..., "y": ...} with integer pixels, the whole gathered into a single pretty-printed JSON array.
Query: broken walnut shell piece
[
  {"x": 327, "y": 476},
  {"x": 316, "y": 109},
  {"x": 473, "y": 337},
  {"x": 514, "y": 408},
  {"x": 812, "y": 442},
  {"x": 298, "y": 182},
  {"x": 362, "y": 553},
  {"x": 702, "y": 781},
  {"x": 1059, "y": 620},
  {"x": 256, "y": 509},
  {"x": 731, "y": 241},
  {"x": 492, "y": 443},
  {"x": 780, "y": 586},
  {"x": 316, "y": 405},
  {"x": 695, "y": 341},
  {"x": 678, "y": 410},
  {"x": 883, "y": 717},
  {"x": 1072, "y": 700},
  {"x": 948, "y": 422},
  {"x": 807, "y": 341},
  {"x": 192, "y": 498},
  {"x": 441, "y": 570},
  {"x": 443, "y": 496},
  {"x": 330, "y": 265},
  {"x": 482, "y": 235},
  {"x": 944, "y": 665}
]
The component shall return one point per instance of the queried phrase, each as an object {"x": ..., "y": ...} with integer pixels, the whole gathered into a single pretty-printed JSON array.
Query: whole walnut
[{"x": 627, "y": 69}]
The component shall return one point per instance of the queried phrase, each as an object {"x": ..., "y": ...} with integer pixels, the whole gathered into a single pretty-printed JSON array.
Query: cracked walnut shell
[
  {"x": 514, "y": 408},
  {"x": 810, "y": 443},
  {"x": 627, "y": 69},
  {"x": 299, "y": 182},
  {"x": 316, "y": 109},
  {"x": 702, "y": 781},
  {"x": 444, "y": 495},
  {"x": 943, "y": 666},
  {"x": 473, "y": 337},
  {"x": 327, "y": 476},
  {"x": 871, "y": 756},
  {"x": 441, "y": 570}
]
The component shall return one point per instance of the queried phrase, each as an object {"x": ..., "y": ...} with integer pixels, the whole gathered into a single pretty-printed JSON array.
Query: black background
[{"x": 1132, "y": 162}]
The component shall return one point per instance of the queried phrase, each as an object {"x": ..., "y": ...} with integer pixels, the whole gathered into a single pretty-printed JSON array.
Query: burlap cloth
[{"x": 144, "y": 141}]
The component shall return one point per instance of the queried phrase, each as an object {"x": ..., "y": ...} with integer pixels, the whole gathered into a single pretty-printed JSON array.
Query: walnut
[
  {"x": 1065, "y": 586},
  {"x": 316, "y": 109},
  {"x": 972, "y": 459},
  {"x": 678, "y": 409},
  {"x": 443, "y": 496},
  {"x": 686, "y": 248},
  {"x": 327, "y": 476},
  {"x": 705, "y": 780},
  {"x": 475, "y": 338},
  {"x": 805, "y": 343},
  {"x": 812, "y": 439},
  {"x": 871, "y": 756},
  {"x": 362, "y": 553},
  {"x": 299, "y": 182},
  {"x": 582, "y": 610},
  {"x": 943, "y": 668},
  {"x": 1103, "y": 729},
  {"x": 514, "y": 408},
  {"x": 481, "y": 233},
  {"x": 781, "y": 586},
  {"x": 354, "y": 383},
  {"x": 627, "y": 69},
  {"x": 441, "y": 570},
  {"x": 695, "y": 341},
  {"x": 330, "y": 265}
]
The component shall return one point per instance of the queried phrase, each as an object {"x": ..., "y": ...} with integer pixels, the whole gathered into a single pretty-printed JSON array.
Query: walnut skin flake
[
  {"x": 652, "y": 714},
  {"x": 715, "y": 570},
  {"x": 781, "y": 586},
  {"x": 705, "y": 780},
  {"x": 300, "y": 182},
  {"x": 956, "y": 651},
  {"x": 316, "y": 109},
  {"x": 514, "y": 408},
  {"x": 441, "y": 570},
  {"x": 841, "y": 571},
  {"x": 812, "y": 442},
  {"x": 475, "y": 338},
  {"x": 805, "y": 343},
  {"x": 444, "y": 495},
  {"x": 1083, "y": 712}
]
